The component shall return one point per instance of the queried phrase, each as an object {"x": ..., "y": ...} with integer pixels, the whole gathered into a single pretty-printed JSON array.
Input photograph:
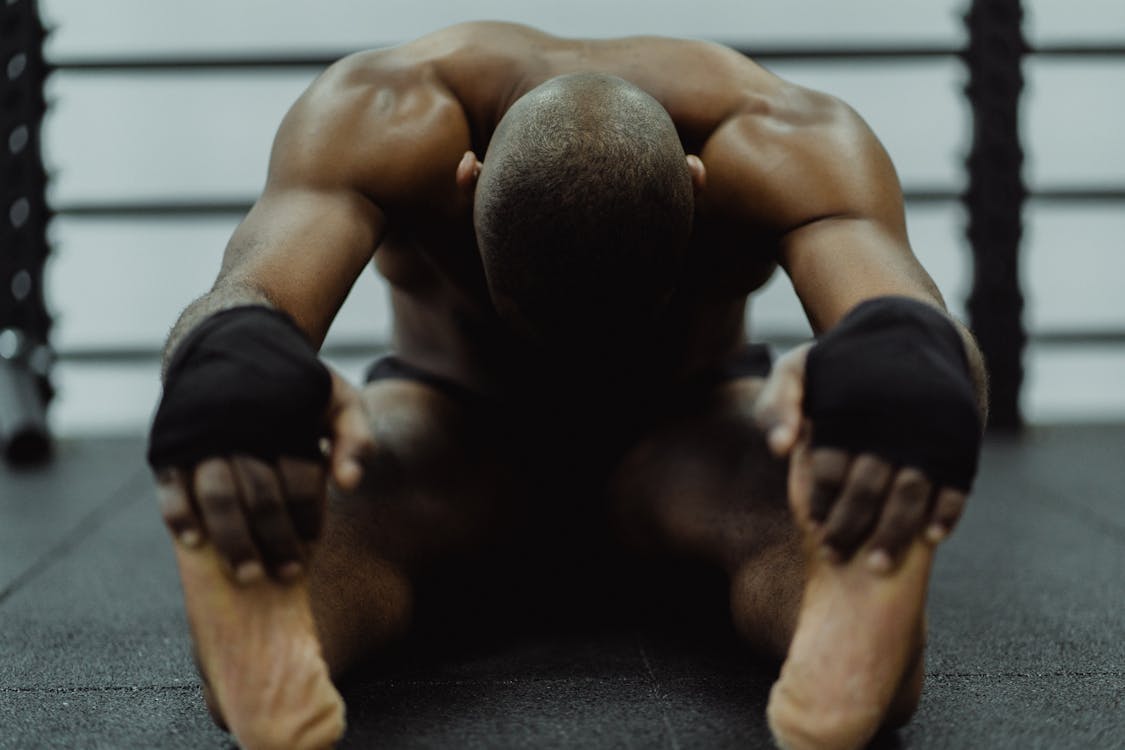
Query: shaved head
[{"x": 583, "y": 210}]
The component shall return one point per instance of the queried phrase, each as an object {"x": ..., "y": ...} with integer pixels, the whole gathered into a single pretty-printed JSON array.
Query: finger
[
  {"x": 217, "y": 494},
  {"x": 352, "y": 445},
  {"x": 947, "y": 512},
  {"x": 268, "y": 519},
  {"x": 830, "y": 470},
  {"x": 352, "y": 437},
  {"x": 303, "y": 484},
  {"x": 778, "y": 410},
  {"x": 904, "y": 515},
  {"x": 858, "y": 506},
  {"x": 176, "y": 509},
  {"x": 800, "y": 477}
]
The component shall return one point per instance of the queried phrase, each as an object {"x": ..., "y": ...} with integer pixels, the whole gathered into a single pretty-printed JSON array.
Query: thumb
[
  {"x": 351, "y": 435},
  {"x": 778, "y": 410}
]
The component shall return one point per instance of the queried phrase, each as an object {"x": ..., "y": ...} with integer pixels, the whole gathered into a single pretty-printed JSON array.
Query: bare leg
[
  {"x": 705, "y": 486},
  {"x": 267, "y": 650}
]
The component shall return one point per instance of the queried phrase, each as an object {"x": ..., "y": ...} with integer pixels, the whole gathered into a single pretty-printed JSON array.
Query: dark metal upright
[
  {"x": 995, "y": 198},
  {"x": 25, "y": 357}
]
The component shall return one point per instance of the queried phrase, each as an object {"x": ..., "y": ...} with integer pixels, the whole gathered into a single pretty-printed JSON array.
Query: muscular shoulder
[
  {"x": 788, "y": 156},
  {"x": 378, "y": 123}
]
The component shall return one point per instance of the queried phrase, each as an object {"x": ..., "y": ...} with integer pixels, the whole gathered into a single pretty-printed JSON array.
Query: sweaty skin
[{"x": 378, "y": 161}]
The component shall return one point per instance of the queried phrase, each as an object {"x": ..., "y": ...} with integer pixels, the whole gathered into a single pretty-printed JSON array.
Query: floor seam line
[
  {"x": 1060, "y": 673},
  {"x": 117, "y": 501},
  {"x": 1047, "y": 498},
  {"x": 99, "y": 689},
  {"x": 659, "y": 697}
]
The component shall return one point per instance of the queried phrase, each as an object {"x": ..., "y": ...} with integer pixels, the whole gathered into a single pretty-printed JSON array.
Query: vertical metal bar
[
  {"x": 995, "y": 198},
  {"x": 25, "y": 358}
]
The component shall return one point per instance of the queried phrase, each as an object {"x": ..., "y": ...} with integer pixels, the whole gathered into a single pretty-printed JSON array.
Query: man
[{"x": 571, "y": 230}]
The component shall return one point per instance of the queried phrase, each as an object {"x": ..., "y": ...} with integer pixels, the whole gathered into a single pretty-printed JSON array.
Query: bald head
[{"x": 583, "y": 209}]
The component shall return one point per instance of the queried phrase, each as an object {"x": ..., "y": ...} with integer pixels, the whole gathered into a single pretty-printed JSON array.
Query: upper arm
[
  {"x": 346, "y": 151},
  {"x": 807, "y": 172}
]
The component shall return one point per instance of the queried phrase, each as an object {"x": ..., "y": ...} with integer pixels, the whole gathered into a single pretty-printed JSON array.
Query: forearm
[{"x": 223, "y": 296}]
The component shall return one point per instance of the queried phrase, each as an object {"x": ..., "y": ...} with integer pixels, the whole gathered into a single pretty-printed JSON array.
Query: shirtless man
[{"x": 571, "y": 230}]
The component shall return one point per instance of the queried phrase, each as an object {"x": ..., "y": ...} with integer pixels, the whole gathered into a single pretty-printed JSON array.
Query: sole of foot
[
  {"x": 855, "y": 663},
  {"x": 265, "y": 679}
]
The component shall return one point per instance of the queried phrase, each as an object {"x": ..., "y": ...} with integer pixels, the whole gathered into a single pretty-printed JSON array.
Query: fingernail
[
  {"x": 190, "y": 538},
  {"x": 935, "y": 532},
  {"x": 290, "y": 571},
  {"x": 780, "y": 437},
  {"x": 249, "y": 572},
  {"x": 879, "y": 561},
  {"x": 828, "y": 554}
]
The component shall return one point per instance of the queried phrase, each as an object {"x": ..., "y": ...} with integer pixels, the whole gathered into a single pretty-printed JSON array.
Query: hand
[
  {"x": 260, "y": 517},
  {"x": 849, "y": 501}
]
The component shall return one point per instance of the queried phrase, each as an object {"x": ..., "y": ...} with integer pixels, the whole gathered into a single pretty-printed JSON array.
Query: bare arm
[
  {"x": 304, "y": 243},
  {"x": 859, "y": 248},
  {"x": 358, "y": 143},
  {"x": 805, "y": 170}
]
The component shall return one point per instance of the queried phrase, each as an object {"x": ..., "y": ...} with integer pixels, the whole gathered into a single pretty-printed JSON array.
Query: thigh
[
  {"x": 440, "y": 483},
  {"x": 437, "y": 492},
  {"x": 702, "y": 484}
]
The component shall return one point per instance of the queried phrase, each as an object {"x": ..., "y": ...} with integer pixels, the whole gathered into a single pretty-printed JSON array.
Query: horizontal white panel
[
  {"x": 1073, "y": 266},
  {"x": 164, "y": 136},
  {"x": 115, "y": 398},
  {"x": 122, "y": 284},
  {"x": 1073, "y": 118},
  {"x": 206, "y": 135},
  {"x": 915, "y": 108},
  {"x": 1067, "y": 384},
  {"x": 1064, "y": 384},
  {"x": 103, "y": 398},
  {"x": 116, "y": 28},
  {"x": 1063, "y": 21},
  {"x": 1071, "y": 269}
]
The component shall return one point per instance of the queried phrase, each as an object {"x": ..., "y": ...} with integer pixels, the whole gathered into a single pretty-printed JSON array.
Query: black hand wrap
[
  {"x": 892, "y": 379},
  {"x": 246, "y": 380}
]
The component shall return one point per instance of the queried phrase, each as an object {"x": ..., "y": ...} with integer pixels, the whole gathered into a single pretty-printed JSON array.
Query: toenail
[
  {"x": 879, "y": 561},
  {"x": 249, "y": 572},
  {"x": 935, "y": 533}
]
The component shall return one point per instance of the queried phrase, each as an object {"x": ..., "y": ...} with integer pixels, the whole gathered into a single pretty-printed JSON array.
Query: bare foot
[
  {"x": 855, "y": 662},
  {"x": 264, "y": 676}
]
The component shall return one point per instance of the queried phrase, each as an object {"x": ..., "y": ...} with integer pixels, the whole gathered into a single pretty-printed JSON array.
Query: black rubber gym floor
[{"x": 1027, "y": 623}]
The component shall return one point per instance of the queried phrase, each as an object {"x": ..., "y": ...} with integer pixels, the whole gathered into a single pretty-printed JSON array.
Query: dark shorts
[
  {"x": 753, "y": 360},
  {"x": 566, "y": 449}
]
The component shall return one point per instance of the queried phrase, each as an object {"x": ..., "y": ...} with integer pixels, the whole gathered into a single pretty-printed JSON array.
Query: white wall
[{"x": 136, "y": 137}]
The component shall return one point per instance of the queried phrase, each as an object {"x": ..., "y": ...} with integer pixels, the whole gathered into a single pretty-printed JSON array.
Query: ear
[
  {"x": 468, "y": 170},
  {"x": 698, "y": 173}
]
